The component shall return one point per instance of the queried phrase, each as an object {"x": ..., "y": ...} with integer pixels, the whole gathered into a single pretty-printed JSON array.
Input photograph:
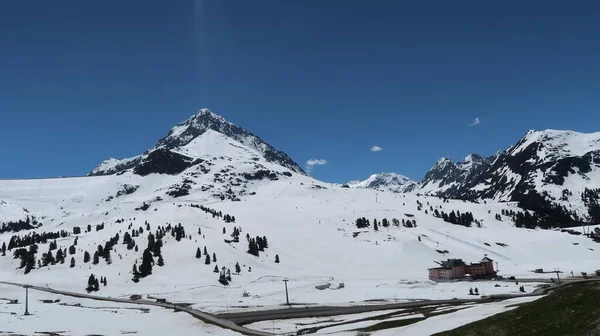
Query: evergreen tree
[
  {"x": 205, "y": 251},
  {"x": 214, "y": 257},
  {"x": 224, "y": 231},
  {"x": 199, "y": 231},
  {"x": 135, "y": 270},
  {"x": 198, "y": 253},
  {"x": 72, "y": 262},
  {"x": 476, "y": 291},
  {"x": 216, "y": 270},
  {"x": 86, "y": 257},
  {"x": 375, "y": 227},
  {"x": 91, "y": 283},
  {"x": 136, "y": 248},
  {"x": 72, "y": 249},
  {"x": 471, "y": 291},
  {"x": 207, "y": 260},
  {"x": 51, "y": 258},
  {"x": 161, "y": 261},
  {"x": 238, "y": 269},
  {"x": 147, "y": 263},
  {"x": 96, "y": 258},
  {"x": 3, "y": 249},
  {"x": 253, "y": 247},
  {"x": 60, "y": 257},
  {"x": 277, "y": 258}
]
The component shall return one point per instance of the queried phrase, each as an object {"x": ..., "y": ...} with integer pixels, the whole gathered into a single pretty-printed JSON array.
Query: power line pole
[
  {"x": 287, "y": 298},
  {"x": 556, "y": 270},
  {"x": 27, "y": 300}
]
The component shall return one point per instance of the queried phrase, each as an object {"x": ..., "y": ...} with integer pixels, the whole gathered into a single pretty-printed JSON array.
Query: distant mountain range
[{"x": 555, "y": 173}]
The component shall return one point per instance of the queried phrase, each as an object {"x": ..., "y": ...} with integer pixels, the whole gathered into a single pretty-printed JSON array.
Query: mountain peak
[
  {"x": 185, "y": 132},
  {"x": 386, "y": 181},
  {"x": 206, "y": 113}
]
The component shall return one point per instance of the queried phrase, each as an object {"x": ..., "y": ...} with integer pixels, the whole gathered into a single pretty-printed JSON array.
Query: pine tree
[
  {"x": 198, "y": 253},
  {"x": 207, "y": 260},
  {"x": 161, "y": 261},
  {"x": 59, "y": 256},
  {"x": 216, "y": 270},
  {"x": 375, "y": 227},
  {"x": 91, "y": 282},
  {"x": 238, "y": 269},
  {"x": 72, "y": 262},
  {"x": 205, "y": 251},
  {"x": 277, "y": 258},
  {"x": 471, "y": 291},
  {"x": 147, "y": 263},
  {"x": 199, "y": 231},
  {"x": 214, "y": 257},
  {"x": 86, "y": 257},
  {"x": 253, "y": 247},
  {"x": 72, "y": 249},
  {"x": 96, "y": 258},
  {"x": 135, "y": 270},
  {"x": 224, "y": 231},
  {"x": 476, "y": 291}
]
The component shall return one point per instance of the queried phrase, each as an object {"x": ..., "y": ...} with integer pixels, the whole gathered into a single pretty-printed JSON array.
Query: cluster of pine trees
[
  {"x": 590, "y": 198},
  {"x": 215, "y": 213},
  {"x": 35, "y": 238},
  {"x": 154, "y": 250},
  {"x": 362, "y": 223},
  {"x": 257, "y": 245},
  {"x": 20, "y": 225},
  {"x": 94, "y": 283},
  {"x": 456, "y": 217}
]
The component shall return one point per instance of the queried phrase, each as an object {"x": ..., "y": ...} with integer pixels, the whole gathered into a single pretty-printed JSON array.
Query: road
[
  {"x": 205, "y": 317},
  {"x": 235, "y": 321},
  {"x": 243, "y": 318}
]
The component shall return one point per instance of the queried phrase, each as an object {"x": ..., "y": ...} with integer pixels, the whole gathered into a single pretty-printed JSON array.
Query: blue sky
[{"x": 327, "y": 80}]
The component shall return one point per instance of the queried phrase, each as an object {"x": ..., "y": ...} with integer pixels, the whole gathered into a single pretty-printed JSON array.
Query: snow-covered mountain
[
  {"x": 185, "y": 132},
  {"x": 447, "y": 178},
  {"x": 386, "y": 181},
  {"x": 556, "y": 173}
]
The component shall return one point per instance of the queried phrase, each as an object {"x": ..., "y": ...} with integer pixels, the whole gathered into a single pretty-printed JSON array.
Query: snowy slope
[
  {"x": 185, "y": 132},
  {"x": 386, "y": 181},
  {"x": 12, "y": 213},
  {"x": 310, "y": 228}
]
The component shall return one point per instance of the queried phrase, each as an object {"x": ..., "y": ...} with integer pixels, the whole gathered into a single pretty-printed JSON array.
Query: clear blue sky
[{"x": 81, "y": 81}]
